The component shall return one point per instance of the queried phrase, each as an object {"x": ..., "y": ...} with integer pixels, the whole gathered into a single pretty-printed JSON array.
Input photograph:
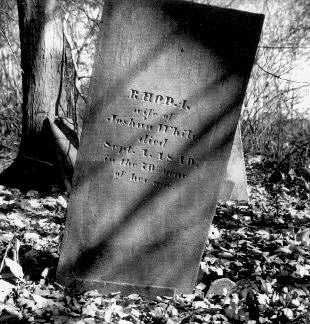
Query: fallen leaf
[
  {"x": 34, "y": 203},
  {"x": 15, "y": 268},
  {"x": 288, "y": 313},
  {"x": 41, "y": 302},
  {"x": 6, "y": 237},
  {"x": 214, "y": 233},
  {"x": 18, "y": 219},
  {"x": 5, "y": 289},
  {"x": 135, "y": 312},
  {"x": 90, "y": 310},
  {"x": 31, "y": 236},
  {"x": 201, "y": 286},
  {"x": 62, "y": 202},
  {"x": 285, "y": 249},
  {"x": 134, "y": 297}
]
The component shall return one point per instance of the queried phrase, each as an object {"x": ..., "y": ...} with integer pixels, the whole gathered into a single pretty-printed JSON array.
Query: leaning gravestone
[
  {"x": 234, "y": 185},
  {"x": 168, "y": 83}
]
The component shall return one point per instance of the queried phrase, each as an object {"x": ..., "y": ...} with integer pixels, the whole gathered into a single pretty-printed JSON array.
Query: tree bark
[{"x": 41, "y": 42}]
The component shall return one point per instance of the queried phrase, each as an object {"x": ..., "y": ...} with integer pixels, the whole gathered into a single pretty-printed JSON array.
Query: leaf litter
[{"x": 255, "y": 268}]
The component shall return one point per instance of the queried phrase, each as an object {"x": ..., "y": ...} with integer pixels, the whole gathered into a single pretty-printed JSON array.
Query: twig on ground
[{"x": 6, "y": 251}]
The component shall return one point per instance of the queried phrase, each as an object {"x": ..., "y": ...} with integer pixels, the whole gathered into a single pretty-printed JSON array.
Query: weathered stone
[
  {"x": 220, "y": 287},
  {"x": 234, "y": 186},
  {"x": 168, "y": 83}
]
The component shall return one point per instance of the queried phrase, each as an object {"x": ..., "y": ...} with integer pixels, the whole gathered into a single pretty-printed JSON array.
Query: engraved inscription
[
  {"x": 148, "y": 166},
  {"x": 129, "y": 122},
  {"x": 148, "y": 139},
  {"x": 168, "y": 157},
  {"x": 158, "y": 99},
  {"x": 136, "y": 178},
  {"x": 118, "y": 148},
  {"x": 177, "y": 132},
  {"x": 151, "y": 161},
  {"x": 150, "y": 113},
  {"x": 146, "y": 113},
  {"x": 162, "y": 185},
  {"x": 168, "y": 117},
  {"x": 118, "y": 175},
  {"x": 109, "y": 159},
  {"x": 127, "y": 163},
  {"x": 160, "y": 128},
  {"x": 172, "y": 174}
]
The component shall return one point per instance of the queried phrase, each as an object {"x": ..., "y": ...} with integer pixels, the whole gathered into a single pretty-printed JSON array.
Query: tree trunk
[{"x": 41, "y": 41}]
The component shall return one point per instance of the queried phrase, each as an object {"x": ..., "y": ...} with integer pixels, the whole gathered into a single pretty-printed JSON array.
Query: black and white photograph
[{"x": 155, "y": 161}]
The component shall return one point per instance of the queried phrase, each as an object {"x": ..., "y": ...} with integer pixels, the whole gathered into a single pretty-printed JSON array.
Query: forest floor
[{"x": 260, "y": 252}]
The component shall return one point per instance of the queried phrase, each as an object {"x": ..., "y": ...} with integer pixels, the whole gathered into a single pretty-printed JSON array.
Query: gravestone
[
  {"x": 234, "y": 186},
  {"x": 168, "y": 82}
]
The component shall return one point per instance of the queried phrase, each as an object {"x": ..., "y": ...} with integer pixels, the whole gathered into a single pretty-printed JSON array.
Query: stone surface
[
  {"x": 234, "y": 186},
  {"x": 165, "y": 97},
  {"x": 220, "y": 287}
]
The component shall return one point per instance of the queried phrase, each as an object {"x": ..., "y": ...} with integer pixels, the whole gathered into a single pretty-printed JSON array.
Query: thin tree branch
[
  {"x": 84, "y": 77},
  {"x": 93, "y": 20},
  {"x": 230, "y": 3},
  {"x": 33, "y": 159},
  {"x": 12, "y": 50},
  {"x": 279, "y": 77},
  {"x": 296, "y": 149},
  {"x": 6, "y": 251},
  {"x": 283, "y": 47},
  {"x": 7, "y": 14}
]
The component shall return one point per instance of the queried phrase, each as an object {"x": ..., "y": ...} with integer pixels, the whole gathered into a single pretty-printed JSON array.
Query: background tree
[
  {"x": 47, "y": 79},
  {"x": 10, "y": 71},
  {"x": 275, "y": 102},
  {"x": 41, "y": 48}
]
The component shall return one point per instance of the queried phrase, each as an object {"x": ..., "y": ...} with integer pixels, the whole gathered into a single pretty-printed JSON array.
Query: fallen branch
[{"x": 6, "y": 251}]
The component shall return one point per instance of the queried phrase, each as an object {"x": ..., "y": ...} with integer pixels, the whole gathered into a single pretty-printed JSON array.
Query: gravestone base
[{"x": 107, "y": 287}]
